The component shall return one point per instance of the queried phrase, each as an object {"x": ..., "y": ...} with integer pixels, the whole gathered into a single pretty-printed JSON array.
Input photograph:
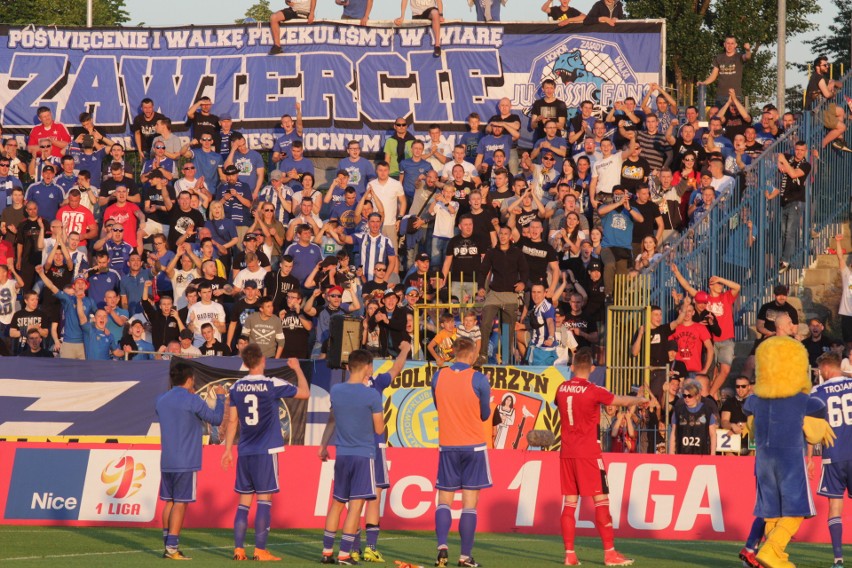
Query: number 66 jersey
[
  {"x": 836, "y": 393},
  {"x": 256, "y": 399},
  {"x": 579, "y": 402}
]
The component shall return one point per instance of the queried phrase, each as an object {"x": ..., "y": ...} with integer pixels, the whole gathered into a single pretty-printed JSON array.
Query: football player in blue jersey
[
  {"x": 836, "y": 478},
  {"x": 181, "y": 414},
  {"x": 372, "y": 514},
  {"x": 254, "y": 407}
]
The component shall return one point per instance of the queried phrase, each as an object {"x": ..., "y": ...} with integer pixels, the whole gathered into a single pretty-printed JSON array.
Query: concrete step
[
  {"x": 821, "y": 277},
  {"x": 827, "y": 260}
]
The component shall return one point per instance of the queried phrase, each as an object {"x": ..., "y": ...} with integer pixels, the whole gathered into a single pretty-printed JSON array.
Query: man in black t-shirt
[
  {"x": 651, "y": 224},
  {"x": 31, "y": 316},
  {"x": 794, "y": 170},
  {"x": 296, "y": 326},
  {"x": 115, "y": 179},
  {"x": 541, "y": 257},
  {"x": 183, "y": 219},
  {"x": 277, "y": 284},
  {"x": 563, "y": 13},
  {"x": 143, "y": 128},
  {"x": 584, "y": 327},
  {"x": 485, "y": 221},
  {"x": 732, "y": 416},
  {"x": 816, "y": 343},
  {"x": 202, "y": 121},
  {"x": 463, "y": 260},
  {"x": 660, "y": 347},
  {"x": 547, "y": 108},
  {"x": 635, "y": 171}
]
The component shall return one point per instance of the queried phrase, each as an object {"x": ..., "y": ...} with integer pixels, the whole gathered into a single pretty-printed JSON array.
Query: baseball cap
[
  {"x": 88, "y": 141},
  {"x": 249, "y": 237},
  {"x": 411, "y": 289},
  {"x": 186, "y": 334},
  {"x": 225, "y": 116},
  {"x": 83, "y": 278},
  {"x": 594, "y": 265},
  {"x": 423, "y": 256},
  {"x": 671, "y": 346},
  {"x": 329, "y": 261},
  {"x": 230, "y": 170},
  {"x": 388, "y": 292},
  {"x": 48, "y": 168},
  {"x": 780, "y": 290},
  {"x": 337, "y": 289},
  {"x": 250, "y": 284},
  {"x": 276, "y": 175},
  {"x": 702, "y": 297}
]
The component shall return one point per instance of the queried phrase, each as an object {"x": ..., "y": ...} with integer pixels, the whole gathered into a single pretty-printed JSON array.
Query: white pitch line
[{"x": 157, "y": 550}]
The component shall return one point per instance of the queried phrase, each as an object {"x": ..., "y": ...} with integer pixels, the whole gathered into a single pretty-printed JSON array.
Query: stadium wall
[
  {"x": 352, "y": 81},
  {"x": 664, "y": 497}
]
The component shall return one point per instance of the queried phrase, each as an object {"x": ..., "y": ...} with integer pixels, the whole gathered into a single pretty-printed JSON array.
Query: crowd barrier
[{"x": 670, "y": 497}]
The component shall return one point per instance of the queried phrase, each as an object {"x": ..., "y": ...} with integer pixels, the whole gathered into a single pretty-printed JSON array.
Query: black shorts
[
  {"x": 290, "y": 14},
  {"x": 426, "y": 15},
  {"x": 846, "y": 328}
]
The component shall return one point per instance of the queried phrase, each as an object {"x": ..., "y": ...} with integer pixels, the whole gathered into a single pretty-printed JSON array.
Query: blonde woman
[
  {"x": 223, "y": 231},
  {"x": 271, "y": 228}
]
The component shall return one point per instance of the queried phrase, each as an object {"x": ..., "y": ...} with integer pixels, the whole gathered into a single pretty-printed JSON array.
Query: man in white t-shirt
[
  {"x": 205, "y": 310},
  {"x": 845, "y": 309},
  {"x": 389, "y": 191},
  {"x": 470, "y": 173},
  {"x": 252, "y": 275},
  {"x": 606, "y": 173}
]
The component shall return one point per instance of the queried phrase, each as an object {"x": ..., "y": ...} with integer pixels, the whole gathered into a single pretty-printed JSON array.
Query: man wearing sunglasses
[
  {"x": 49, "y": 133},
  {"x": 733, "y": 417}
]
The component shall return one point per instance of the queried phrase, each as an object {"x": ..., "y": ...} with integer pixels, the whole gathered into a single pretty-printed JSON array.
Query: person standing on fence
[
  {"x": 617, "y": 218},
  {"x": 795, "y": 170},
  {"x": 820, "y": 88},
  {"x": 719, "y": 302},
  {"x": 728, "y": 69},
  {"x": 581, "y": 463},
  {"x": 507, "y": 273}
]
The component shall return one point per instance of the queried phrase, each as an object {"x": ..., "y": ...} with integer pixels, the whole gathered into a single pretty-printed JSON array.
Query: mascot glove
[{"x": 818, "y": 431}]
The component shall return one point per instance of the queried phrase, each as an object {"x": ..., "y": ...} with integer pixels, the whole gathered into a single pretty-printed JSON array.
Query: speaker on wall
[{"x": 344, "y": 338}]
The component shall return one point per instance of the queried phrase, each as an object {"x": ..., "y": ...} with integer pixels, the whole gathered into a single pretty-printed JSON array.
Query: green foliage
[
  {"x": 260, "y": 12},
  {"x": 696, "y": 29},
  {"x": 46, "y": 12}
]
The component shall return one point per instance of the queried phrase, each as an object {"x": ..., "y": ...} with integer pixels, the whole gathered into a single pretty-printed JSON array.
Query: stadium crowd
[{"x": 198, "y": 245}]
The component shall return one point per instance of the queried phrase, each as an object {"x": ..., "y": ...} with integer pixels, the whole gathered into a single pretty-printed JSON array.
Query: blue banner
[{"x": 352, "y": 81}]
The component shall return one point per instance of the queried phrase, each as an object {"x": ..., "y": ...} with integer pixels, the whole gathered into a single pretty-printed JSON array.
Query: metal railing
[{"x": 720, "y": 242}]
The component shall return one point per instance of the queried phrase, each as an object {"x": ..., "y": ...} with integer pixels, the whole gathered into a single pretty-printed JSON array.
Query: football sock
[
  {"x": 356, "y": 544},
  {"x": 262, "y": 522},
  {"x": 328, "y": 541},
  {"x": 172, "y": 542},
  {"x": 603, "y": 522},
  {"x": 569, "y": 523},
  {"x": 372, "y": 535},
  {"x": 758, "y": 528},
  {"x": 467, "y": 530},
  {"x": 835, "y": 529},
  {"x": 346, "y": 545},
  {"x": 443, "y": 520},
  {"x": 165, "y": 535},
  {"x": 240, "y": 526}
]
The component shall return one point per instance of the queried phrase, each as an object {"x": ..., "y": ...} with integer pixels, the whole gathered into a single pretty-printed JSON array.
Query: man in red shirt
[
  {"x": 50, "y": 131},
  {"x": 581, "y": 465},
  {"x": 692, "y": 338},
  {"x": 720, "y": 302},
  {"x": 128, "y": 215},
  {"x": 77, "y": 219}
]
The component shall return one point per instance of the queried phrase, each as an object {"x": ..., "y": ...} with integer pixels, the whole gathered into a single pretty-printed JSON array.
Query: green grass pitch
[{"x": 124, "y": 547}]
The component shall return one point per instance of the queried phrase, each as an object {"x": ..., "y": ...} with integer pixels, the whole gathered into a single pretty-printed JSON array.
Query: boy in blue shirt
[
  {"x": 358, "y": 409},
  {"x": 254, "y": 406},
  {"x": 181, "y": 415},
  {"x": 380, "y": 473}
]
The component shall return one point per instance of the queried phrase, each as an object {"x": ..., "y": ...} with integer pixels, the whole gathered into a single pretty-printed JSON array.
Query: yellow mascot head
[{"x": 781, "y": 368}]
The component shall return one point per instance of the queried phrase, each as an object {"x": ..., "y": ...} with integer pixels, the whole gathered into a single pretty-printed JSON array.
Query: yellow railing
[{"x": 631, "y": 308}]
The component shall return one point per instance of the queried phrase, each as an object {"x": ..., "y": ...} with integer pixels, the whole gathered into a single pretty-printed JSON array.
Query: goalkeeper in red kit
[{"x": 581, "y": 465}]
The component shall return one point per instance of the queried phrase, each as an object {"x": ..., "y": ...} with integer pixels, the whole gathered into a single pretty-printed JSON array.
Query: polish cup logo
[{"x": 123, "y": 477}]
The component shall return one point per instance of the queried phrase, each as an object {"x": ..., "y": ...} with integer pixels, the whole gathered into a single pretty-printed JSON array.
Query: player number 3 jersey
[{"x": 256, "y": 399}]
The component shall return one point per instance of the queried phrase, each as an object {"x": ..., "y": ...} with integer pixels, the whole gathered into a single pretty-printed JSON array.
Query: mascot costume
[{"x": 782, "y": 415}]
